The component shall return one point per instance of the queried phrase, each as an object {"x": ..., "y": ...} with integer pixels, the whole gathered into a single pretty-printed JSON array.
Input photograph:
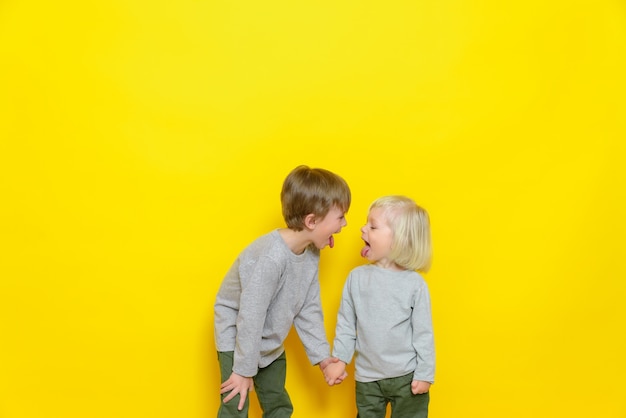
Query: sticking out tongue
[
  {"x": 331, "y": 241},
  {"x": 365, "y": 251}
]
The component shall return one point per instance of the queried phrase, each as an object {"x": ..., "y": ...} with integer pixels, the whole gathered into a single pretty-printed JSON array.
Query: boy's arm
[
  {"x": 309, "y": 324},
  {"x": 345, "y": 330},
  {"x": 258, "y": 285}
]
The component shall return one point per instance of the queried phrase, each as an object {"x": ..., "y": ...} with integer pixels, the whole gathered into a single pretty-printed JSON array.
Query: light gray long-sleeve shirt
[
  {"x": 385, "y": 319},
  {"x": 266, "y": 291}
]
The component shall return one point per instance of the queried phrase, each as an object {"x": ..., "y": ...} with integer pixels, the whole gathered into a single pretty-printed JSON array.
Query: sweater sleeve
[
  {"x": 259, "y": 281},
  {"x": 345, "y": 332},
  {"x": 423, "y": 340},
  {"x": 309, "y": 324}
]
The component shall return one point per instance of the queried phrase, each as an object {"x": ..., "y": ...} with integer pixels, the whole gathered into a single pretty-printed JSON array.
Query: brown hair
[{"x": 312, "y": 190}]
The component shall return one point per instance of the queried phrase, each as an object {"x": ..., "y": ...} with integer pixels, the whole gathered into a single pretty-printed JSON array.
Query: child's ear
[{"x": 310, "y": 220}]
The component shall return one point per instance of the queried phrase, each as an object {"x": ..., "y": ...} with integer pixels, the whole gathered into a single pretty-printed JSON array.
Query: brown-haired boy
[{"x": 272, "y": 285}]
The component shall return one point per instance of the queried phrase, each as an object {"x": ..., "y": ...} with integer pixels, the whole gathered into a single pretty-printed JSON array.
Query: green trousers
[
  {"x": 372, "y": 399},
  {"x": 269, "y": 385}
]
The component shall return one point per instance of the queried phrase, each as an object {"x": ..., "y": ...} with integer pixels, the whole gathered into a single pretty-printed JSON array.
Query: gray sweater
[
  {"x": 266, "y": 291},
  {"x": 385, "y": 318}
]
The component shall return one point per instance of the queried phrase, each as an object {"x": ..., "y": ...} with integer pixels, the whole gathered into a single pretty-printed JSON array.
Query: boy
[{"x": 272, "y": 285}]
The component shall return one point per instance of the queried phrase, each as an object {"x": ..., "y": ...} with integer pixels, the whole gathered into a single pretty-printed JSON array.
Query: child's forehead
[
  {"x": 377, "y": 213},
  {"x": 337, "y": 210},
  {"x": 338, "y": 207}
]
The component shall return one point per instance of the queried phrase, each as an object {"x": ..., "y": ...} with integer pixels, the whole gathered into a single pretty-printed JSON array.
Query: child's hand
[
  {"x": 335, "y": 372},
  {"x": 419, "y": 387},
  {"x": 237, "y": 384},
  {"x": 326, "y": 362},
  {"x": 332, "y": 360}
]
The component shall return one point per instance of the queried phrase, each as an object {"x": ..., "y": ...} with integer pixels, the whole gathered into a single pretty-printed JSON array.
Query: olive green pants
[
  {"x": 269, "y": 385},
  {"x": 372, "y": 399}
]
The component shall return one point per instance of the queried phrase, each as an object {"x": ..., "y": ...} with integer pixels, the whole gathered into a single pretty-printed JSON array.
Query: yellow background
[{"x": 144, "y": 143}]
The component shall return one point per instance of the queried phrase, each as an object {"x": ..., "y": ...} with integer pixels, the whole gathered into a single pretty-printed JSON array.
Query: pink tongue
[
  {"x": 365, "y": 250},
  {"x": 331, "y": 241}
]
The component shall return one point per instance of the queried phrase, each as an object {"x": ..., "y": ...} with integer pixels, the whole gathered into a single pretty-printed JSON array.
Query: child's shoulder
[
  {"x": 372, "y": 269},
  {"x": 273, "y": 247},
  {"x": 362, "y": 271},
  {"x": 362, "y": 267},
  {"x": 259, "y": 246},
  {"x": 268, "y": 237}
]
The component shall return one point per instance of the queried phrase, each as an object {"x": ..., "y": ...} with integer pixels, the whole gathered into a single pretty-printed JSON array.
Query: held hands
[
  {"x": 419, "y": 387},
  {"x": 334, "y": 370},
  {"x": 237, "y": 384}
]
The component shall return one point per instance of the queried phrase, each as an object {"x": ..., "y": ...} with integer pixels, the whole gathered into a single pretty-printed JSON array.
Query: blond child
[{"x": 385, "y": 315}]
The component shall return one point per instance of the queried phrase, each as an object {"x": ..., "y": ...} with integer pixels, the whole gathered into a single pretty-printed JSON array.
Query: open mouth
[{"x": 365, "y": 250}]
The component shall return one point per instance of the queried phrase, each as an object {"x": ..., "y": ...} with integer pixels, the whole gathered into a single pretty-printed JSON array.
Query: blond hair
[
  {"x": 410, "y": 225},
  {"x": 312, "y": 190}
]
